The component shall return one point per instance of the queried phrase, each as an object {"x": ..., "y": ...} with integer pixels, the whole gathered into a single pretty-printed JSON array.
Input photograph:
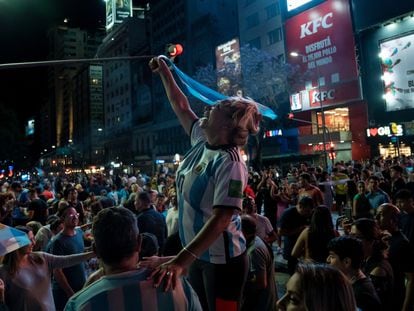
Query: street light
[{"x": 325, "y": 152}]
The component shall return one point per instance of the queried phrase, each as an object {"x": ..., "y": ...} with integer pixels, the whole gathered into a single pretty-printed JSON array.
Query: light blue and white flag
[
  {"x": 11, "y": 239},
  {"x": 208, "y": 95}
]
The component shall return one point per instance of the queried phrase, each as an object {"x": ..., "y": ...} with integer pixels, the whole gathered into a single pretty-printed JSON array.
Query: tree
[{"x": 262, "y": 77}]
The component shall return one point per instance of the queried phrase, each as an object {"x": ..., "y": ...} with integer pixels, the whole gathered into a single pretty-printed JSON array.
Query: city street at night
[{"x": 207, "y": 155}]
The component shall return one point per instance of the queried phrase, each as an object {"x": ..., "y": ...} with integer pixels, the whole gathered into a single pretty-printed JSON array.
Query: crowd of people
[{"x": 205, "y": 237}]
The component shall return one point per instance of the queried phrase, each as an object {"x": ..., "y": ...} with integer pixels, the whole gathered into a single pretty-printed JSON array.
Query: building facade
[
  {"x": 260, "y": 26},
  {"x": 386, "y": 40},
  {"x": 87, "y": 149},
  {"x": 56, "y": 119},
  {"x": 327, "y": 100}
]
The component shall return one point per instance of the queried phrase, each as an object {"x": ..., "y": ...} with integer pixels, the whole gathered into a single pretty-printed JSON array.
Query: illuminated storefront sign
[
  {"x": 273, "y": 133},
  {"x": 323, "y": 38},
  {"x": 397, "y": 64},
  {"x": 393, "y": 129}
]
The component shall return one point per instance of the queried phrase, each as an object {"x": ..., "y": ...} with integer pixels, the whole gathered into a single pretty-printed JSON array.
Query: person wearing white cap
[{"x": 27, "y": 274}]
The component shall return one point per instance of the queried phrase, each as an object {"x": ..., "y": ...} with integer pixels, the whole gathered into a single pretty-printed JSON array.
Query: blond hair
[{"x": 245, "y": 118}]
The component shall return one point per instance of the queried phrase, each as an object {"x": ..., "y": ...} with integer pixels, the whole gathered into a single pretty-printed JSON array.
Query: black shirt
[
  {"x": 291, "y": 219},
  {"x": 39, "y": 207},
  {"x": 151, "y": 221},
  {"x": 365, "y": 295},
  {"x": 401, "y": 258}
]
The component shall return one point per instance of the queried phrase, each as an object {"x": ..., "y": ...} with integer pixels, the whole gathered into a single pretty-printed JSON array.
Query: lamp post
[{"x": 325, "y": 152}]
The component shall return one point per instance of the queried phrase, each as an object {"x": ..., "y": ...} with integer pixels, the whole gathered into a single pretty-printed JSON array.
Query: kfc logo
[
  {"x": 312, "y": 26},
  {"x": 318, "y": 97}
]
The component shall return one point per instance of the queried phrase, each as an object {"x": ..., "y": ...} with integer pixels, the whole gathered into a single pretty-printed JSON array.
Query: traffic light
[
  {"x": 174, "y": 50},
  {"x": 332, "y": 148},
  {"x": 332, "y": 154}
]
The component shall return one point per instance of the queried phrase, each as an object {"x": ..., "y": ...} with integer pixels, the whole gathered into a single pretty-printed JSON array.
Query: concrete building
[
  {"x": 121, "y": 87},
  {"x": 387, "y": 81},
  {"x": 261, "y": 26},
  {"x": 57, "y": 125},
  {"x": 88, "y": 118}
]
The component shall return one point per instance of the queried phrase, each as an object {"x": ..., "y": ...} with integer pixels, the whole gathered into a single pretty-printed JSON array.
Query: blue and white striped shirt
[
  {"x": 132, "y": 291},
  {"x": 211, "y": 177}
]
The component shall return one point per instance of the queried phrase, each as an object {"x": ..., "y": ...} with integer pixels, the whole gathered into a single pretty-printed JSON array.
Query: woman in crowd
[
  {"x": 361, "y": 208},
  {"x": 325, "y": 185},
  {"x": 317, "y": 287},
  {"x": 312, "y": 242},
  {"x": 210, "y": 183},
  {"x": 268, "y": 196},
  {"x": 376, "y": 266},
  {"x": 7, "y": 203},
  {"x": 27, "y": 275}
]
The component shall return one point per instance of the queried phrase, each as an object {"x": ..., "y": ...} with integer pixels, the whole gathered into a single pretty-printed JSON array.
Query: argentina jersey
[
  {"x": 132, "y": 291},
  {"x": 209, "y": 177}
]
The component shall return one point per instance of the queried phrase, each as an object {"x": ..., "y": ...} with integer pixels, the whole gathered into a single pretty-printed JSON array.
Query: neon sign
[
  {"x": 273, "y": 133},
  {"x": 393, "y": 129}
]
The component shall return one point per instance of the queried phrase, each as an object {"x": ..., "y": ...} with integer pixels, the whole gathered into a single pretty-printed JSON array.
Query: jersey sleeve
[{"x": 230, "y": 179}]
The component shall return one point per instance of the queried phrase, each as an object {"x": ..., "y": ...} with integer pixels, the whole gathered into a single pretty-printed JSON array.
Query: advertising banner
[
  {"x": 323, "y": 39},
  {"x": 294, "y": 4},
  {"x": 123, "y": 9},
  {"x": 30, "y": 127},
  {"x": 397, "y": 64},
  {"x": 228, "y": 68},
  {"x": 109, "y": 7}
]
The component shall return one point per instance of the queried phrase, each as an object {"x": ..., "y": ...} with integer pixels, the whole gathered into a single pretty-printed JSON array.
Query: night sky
[{"x": 23, "y": 27}]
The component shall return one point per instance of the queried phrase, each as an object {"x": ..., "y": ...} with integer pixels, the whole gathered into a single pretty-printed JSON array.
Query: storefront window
[
  {"x": 394, "y": 150},
  {"x": 336, "y": 120}
]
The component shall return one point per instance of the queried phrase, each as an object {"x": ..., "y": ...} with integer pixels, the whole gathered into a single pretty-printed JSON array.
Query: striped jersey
[
  {"x": 132, "y": 291},
  {"x": 210, "y": 177}
]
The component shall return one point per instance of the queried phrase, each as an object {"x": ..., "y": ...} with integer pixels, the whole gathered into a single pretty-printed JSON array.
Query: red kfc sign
[{"x": 323, "y": 38}]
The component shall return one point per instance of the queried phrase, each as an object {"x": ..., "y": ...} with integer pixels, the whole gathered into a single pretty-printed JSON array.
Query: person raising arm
[{"x": 210, "y": 183}]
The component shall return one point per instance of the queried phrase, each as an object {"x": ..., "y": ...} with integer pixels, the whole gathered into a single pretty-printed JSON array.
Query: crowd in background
[{"x": 372, "y": 243}]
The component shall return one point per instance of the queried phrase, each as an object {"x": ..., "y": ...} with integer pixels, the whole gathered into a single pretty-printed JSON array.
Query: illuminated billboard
[
  {"x": 30, "y": 127},
  {"x": 123, "y": 9},
  {"x": 117, "y": 11},
  {"x": 294, "y": 4},
  {"x": 109, "y": 7},
  {"x": 397, "y": 64},
  {"x": 323, "y": 39},
  {"x": 229, "y": 68}
]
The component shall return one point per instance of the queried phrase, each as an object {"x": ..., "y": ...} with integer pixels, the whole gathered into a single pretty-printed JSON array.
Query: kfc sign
[
  {"x": 312, "y": 26},
  {"x": 322, "y": 96},
  {"x": 323, "y": 38},
  {"x": 393, "y": 129}
]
